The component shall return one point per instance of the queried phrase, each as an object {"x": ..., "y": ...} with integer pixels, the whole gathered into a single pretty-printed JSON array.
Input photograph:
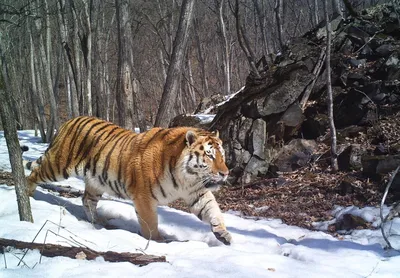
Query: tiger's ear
[
  {"x": 216, "y": 133},
  {"x": 190, "y": 137}
]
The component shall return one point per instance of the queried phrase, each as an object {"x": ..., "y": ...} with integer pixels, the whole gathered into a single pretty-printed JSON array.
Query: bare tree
[
  {"x": 87, "y": 42},
  {"x": 244, "y": 43},
  {"x": 279, "y": 21},
  {"x": 127, "y": 89},
  {"x": 261, "y": 19},
  {"x": 334, "y": 161},
  {"x": 171, "y": 87},
  {"x": 9, "y": 122},
  {"x": 226, "y": 59},
  {"x": 200, "y": 55},
  {"x": 45, "y": 62}
]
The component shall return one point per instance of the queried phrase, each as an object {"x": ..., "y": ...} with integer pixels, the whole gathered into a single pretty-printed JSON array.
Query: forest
[
  {"x": 303, "y": 93},
  {"x": 114, "y": 59}
]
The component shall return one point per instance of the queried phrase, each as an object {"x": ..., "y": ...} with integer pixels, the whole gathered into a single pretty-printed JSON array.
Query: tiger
[{"x": 152, "y": 168}]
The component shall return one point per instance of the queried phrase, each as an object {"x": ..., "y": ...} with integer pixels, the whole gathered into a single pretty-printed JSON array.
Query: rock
[
  {"x": 350, "y": 222},
  {"x": 385, "y": 50},
  {"x": 257, "y": 138},
  {"x": 314, "y": 127},
  {"x": 256, "y": 166},
  {"x": 261, "y": 124},
  {"x": 349, "y": 132},
  {"x": 279, "y": 100},
  {"x": 294, "y": 155},
  {"x": 350, "y": 158},
  {"x": 375, "y": 166},
  {"x": 208, "y": 104},
  {"x": 191, "y": 120},
  {"x": 347, "y": 112},
  {"x": 346, "y": 186}
]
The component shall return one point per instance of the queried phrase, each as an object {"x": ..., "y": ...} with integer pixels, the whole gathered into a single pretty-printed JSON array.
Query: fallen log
[{"x": 53, "y": 250}]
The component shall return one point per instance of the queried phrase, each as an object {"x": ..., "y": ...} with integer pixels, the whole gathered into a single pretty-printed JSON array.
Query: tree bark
[
  {"x": 88, "y": 55},
  {"x": 75, "y": 53},
  {"x": 72, "y": 90},
  {"x": 334, "y": 162},
  {"x": 225, "y": 48},
  {"x": 37, "y": 100},
  {"x": 279, "y": 23},
  {"x": 261, "y": 15},
  {"x": 45, "y": 61},
  {"x": 244, "y": 43},
  {"x": 129, "y": 112},
  {"x": 204, "y": 83},
  {"x": 53, "y": 250},
  {"x": 10, "y": 133},
  {"x": 171, "y": 87}
]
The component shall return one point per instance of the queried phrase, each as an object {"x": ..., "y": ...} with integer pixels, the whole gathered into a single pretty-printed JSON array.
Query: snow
[{"x": 261, "y": 247}]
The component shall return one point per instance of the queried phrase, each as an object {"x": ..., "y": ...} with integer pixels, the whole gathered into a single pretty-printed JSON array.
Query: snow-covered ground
[{"x": 261, "y": 248}]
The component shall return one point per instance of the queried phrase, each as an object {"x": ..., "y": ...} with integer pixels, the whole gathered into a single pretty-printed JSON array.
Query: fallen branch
[
  {"x": 65, "y": 191},
  {"x": 53, "y": 250},
  {"x": 383, "y": 202},
  {"x": 316, "y": 72}
]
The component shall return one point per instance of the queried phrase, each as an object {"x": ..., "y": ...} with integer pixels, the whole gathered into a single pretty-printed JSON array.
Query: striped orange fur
[{"x": 151, "y": 168}]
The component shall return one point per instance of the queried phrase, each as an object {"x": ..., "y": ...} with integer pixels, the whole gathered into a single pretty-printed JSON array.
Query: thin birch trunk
[
  {"x": 200, "y": 55},
  {"x": 88, "y": 58},
  {"x": 76, "y": 59},
  {"x": 334, "y": 161},
  {"x": 279, "y": 23},
  {"x": 225, "y": 48}
]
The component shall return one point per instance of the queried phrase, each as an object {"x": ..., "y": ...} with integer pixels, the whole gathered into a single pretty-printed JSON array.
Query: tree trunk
[
  {"x": 261, "y": 15},
  {"x": 52, "y": 123},
  {"x": 334, "y": 161},
  {"x": 76, "y": 59},
  {"x": 279, "y": 23},
  {"x": 225, "y": 48},
  {"x": 204, "y": 83},
  {"x": 88, "y": 55},
  {"x": 10, "y": 133},
  {"x": 37, "y": 101},
  {"x": 316, "y": 11},
  {"x": 244, "y": 43},
  {"x": 171, "y": 87},
  {"x": 127, "y": 99},
  {"x": 70, "y": 79}
]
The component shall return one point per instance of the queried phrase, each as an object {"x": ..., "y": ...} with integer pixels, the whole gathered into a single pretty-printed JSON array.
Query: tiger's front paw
[{"x": 222, "y": 235}]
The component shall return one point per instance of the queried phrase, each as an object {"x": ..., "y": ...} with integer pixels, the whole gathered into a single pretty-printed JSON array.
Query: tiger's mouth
[{"x": 214, "y": 184}]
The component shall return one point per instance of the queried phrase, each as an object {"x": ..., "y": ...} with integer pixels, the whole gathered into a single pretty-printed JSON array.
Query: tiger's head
[{"x": 206, "y": 158}]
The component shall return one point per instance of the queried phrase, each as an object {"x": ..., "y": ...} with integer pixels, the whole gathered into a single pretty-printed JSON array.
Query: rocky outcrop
[{"x": 260, "y": 124}]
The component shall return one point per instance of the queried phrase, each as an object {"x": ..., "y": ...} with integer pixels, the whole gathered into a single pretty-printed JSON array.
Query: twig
[
  {"x": 4, "y": 254},
  {"x": 383, "y": 202}
]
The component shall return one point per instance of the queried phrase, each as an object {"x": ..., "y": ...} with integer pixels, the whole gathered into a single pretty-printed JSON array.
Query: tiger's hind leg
[{"x": 90, "y": 199}]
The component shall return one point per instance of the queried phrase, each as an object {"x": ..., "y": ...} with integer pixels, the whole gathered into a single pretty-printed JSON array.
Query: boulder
[
  {"x": 350, "y": 158},
  {"x": 297, "y": 153}
]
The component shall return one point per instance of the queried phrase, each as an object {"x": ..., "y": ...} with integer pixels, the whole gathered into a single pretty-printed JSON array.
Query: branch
[
  {"x": 316, "y": 72},
  {"x": 383, "y": 202},
  {"x": 53, "y": 250}
]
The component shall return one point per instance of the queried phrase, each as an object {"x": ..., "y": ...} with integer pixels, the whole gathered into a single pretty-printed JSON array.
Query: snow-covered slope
[{"x": 261, "y": 248}]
